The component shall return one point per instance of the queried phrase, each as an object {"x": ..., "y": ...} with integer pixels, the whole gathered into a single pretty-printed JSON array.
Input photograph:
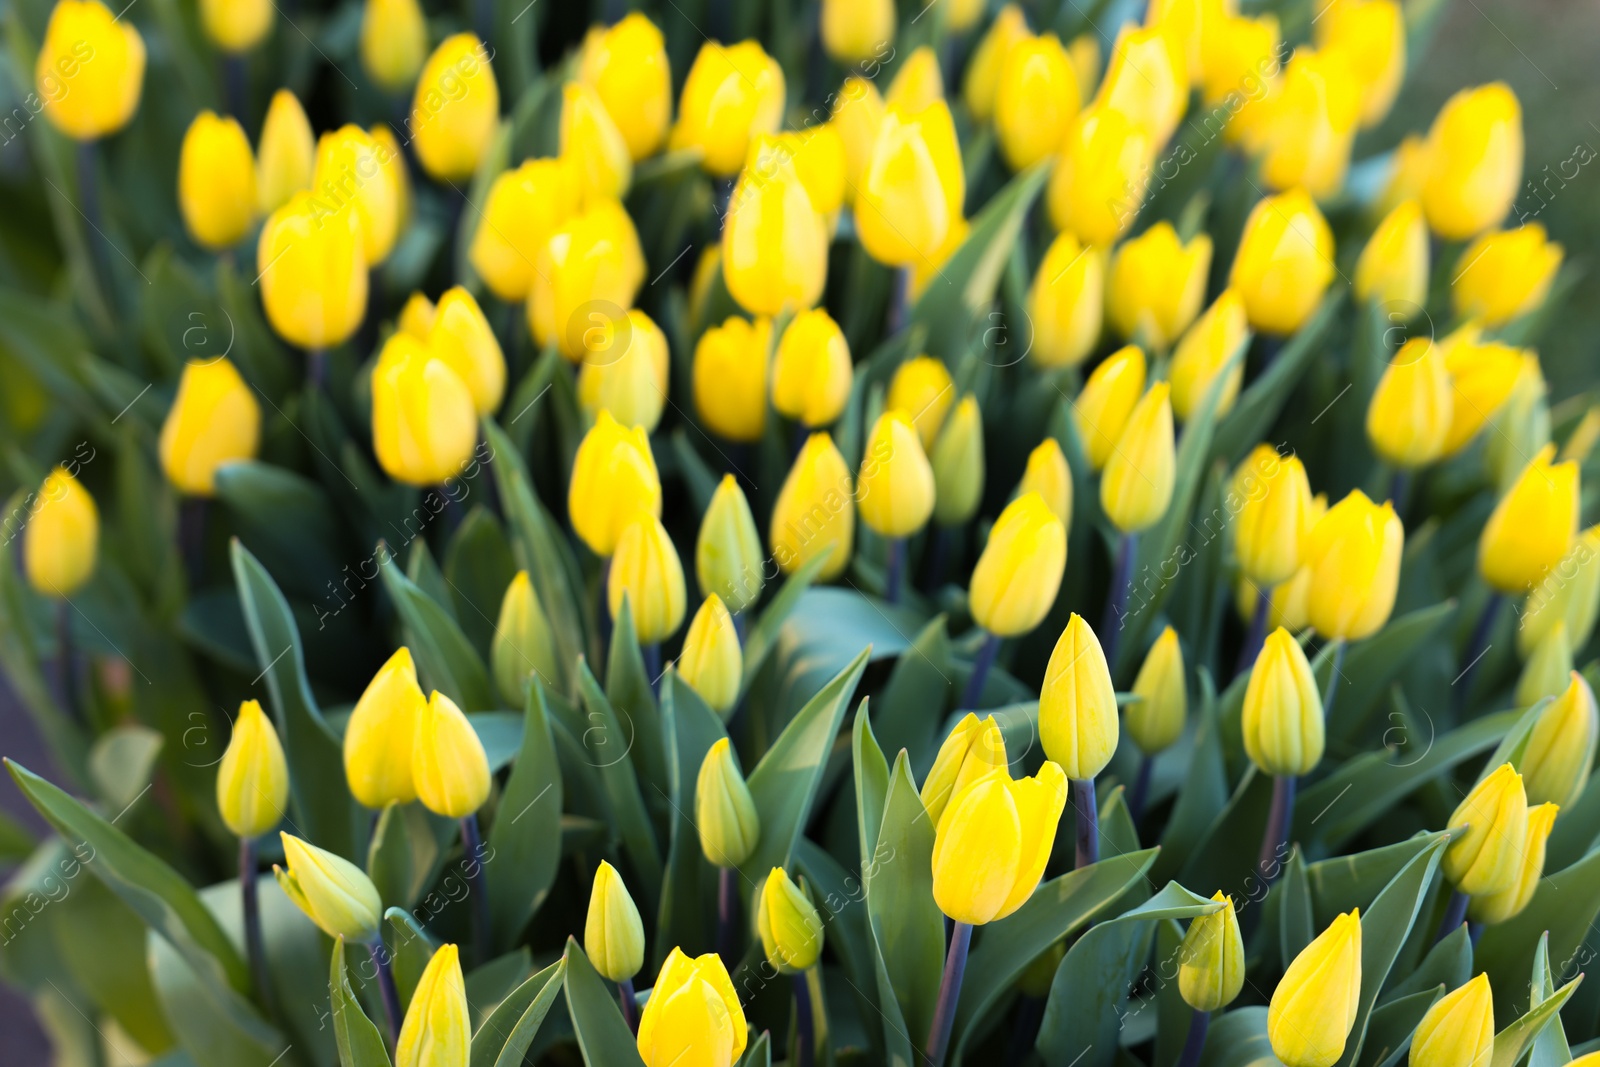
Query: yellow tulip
[
  {"x": 711, "y": 661},
  {"x": 613, "y": 479},
  {"x": 1545, "y": 673},
  {"x": 1315, "y": 1002},
  {"x": 1136, "y": 486},
  {"x": 90, "y": 70},
  {"x": 1065, "y": 302},
  {"x": 1308, "y": 124},
  {"x": 733, "y": 94},
  {"x": 61, "y": 540},
  {"x": 456, "y": 109},
  {"x": 629, "y": 377},
  {"x": 727, "y": 554},
  {"x": 989, "y": 60},
  {"x": 725, "y": 814},
  {"x": 1156, "y": 721},
  {"x": 1048, "y": 475},
  {"x": 392, "y": 160},
  {"x": 1533, "y": 525},
  {"x": 313, "y": 272},
  {"x": 236, "y": 26},
  {"x": 350, "y": 175},
  {"x": 1207, "y": 350},
  {"x": 1561, "y": 747},
  {"x": 730, "y": 378},
  {"x": 1156, "y": 285},
  {"x": 1353, "y": 553},
  {"x": 1458, "y": 1031},
  {"x": 918, "y": 83},
  {"x": 912, "y": 188},
  {"x": 788, "y": 925},
  {"x": 438, "y": 1026},
  {"x": 857, "y": 113},
  {"x": 1408, "y": 419},
  {"x": 464, "y": 340},
  {"x": 693, "y": 1015},
  {"x": 1371, "y": 35},
  {"x": 854, "y": 31},
  {"x": 214, "y": 420},
  {"x": 1211, "y": 958},
  {"x": 923, "y": 390},
  {"x": 1483, "y": 377},
  {"x": 394, "y": 42},
  {"x": 1283, "y": 733},
  {"x": 1393, "y": 268},
  {"x": 1486, "y": 857},
  {"x": 1569, "y": 593},
  {"x": 1284, "y": 262},
  {"x": 216, "y": 181},
  {"x": 1522, "y": 427},
  {"x": 523, "y": 646},
  {"x": 1101, "y": 175},
  {"x": 1509, "y": 902},
  {"x": 1474, "y": 161},
  {"x": 584, "y": 280},
  {"x": 815, "y": 510},
  {"x": 1408, "y": 172},
  {"x": 1036, "y": 98},
  {"x": 894, "y": 488},
  {"x": 1240, "y": 65},
  {"x": 1505, "y": 275},
  {"x": 524, "y": 208},
  {"x": 993, "y": 841},
  {"x": 1274, "y": 516},
  {"x": 820, "y": 161},
  {"x": 332, "y": 892},
  {"x": 626, "y": 64},
  {"x": 379, "y": 738},
  {"x": 972, "y": 751},
  {"x": 416, "y": 317},
  {"x": 253, "y": 779},
  {"x": 957, "y": 461},
  {"x": 591, "y": 140},
  {"x": 286, "y": 153},
  {"x": 774, "y": 240},
  {"x": 423, "y": 423},
  {"x": 1078, "y": 703},
  {"x": 1102, "y": 410},
  {"x": 645, "y": 568},
  {"x": 613, "y": 934},
  {"x": 1148, "y": 81},
  {"x": 1019, "y": 573},
  {"x": 449, "y": 764},
  {"x": 812, "y": 372},
  {"x": 962, "y": 15}
]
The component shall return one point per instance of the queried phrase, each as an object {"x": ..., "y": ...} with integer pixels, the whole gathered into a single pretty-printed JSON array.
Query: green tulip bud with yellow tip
[
  {"x": 712, "y": 661},
  {"x": 1283, "y": 731},
  {"x": 525, "y": 207},
  {"x": 286, "y": 155},
  {"x": 627, "y": 66},
  {"x": 645, "y": 568},
  {"x": 1473, "y": 163},
  {"x": 957, "y": 461},
  {"x": 1035, "y": 100},
  {"x": 923, "y": 389},
  {"x": 1136, "y": 486},
  {"x": 424, "y": 426},
  {"x": 61, "y": 540},
  {"x": 214, "y": 420},
  {"x": 732, "y": 95},
  {"x": 693, "y": 1015},
  {"x": 1156, "y": 284},
  {"x": 1521, "y": 428},
  {"x": 1458, "y": 1030},
  {"x": 1490, "y": 908},
  {"x": 449, "y": 764},
  {"x": 591, "y": 140},
  {"x": 438, "y": 1026},
  {"x": 728, "y": 560},
  {"x": 456, "y": 108},
  {"x": 1568, "y": 593},
  {"x": 614, "y": 479},
  {"x": 381, "y": 734},
  {"x": 1545, "y": 673},
  {"x": 394, "y": 42},
  {"x": 1078, "y": 704},
  {"x": 628, "y": 378},
  {"x": 993, "y": 841},
  {"x": 895, "y": 487},
  {"x": 313, "y": 272},
  {"x": 100, "y": 58},
  {"x": 613, "y": 934},
  {"x": 523, "y": 646},
  {"x": 1017, "y": 577},
  {"x": 1156, "y": 721},
  {"x": 1560, "y": 752},
  {"x": 1284, "y": 262},
  {"x": 1353, "y": 553},
  {"x": 811, "y": 372},
  {"x": 1486, "y": 856},
  {"x": 1505, "y": 274},
  {"x": 972, "y": 750},
  {"x": 788, "y": 924},
  {"x": 815, "y": 511},
  {"x": 1315, "y": 1003},
  {"x": 1393, "y": 269},
  {"x": 1048, "y": 475},
  {"x": 730, "y": 377},
  {"x": 333, "y": 892},
  {"x": 1211, "y": 958},
  {"x": 1532, "y": 526},
  {"x": 1103, "y": 408},
  {"x": 1408, "y": 419},
  {"x": 252, "y": 779},
  {"x": 216, "y": 181},
  {"x": 724, "y": 811}
]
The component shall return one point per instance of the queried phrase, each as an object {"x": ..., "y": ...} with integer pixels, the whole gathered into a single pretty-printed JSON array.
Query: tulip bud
[
  {"x": 913, "y": 186},
  {"x": 438, "y": 1025},
  {"x": 627, "y": 66},
  {"x": 895, "y": 487},
  {"x": 62, "y": 537},
  {"x": 1545, "y": 673},
  {"x": 812, "y": 372},
  {"x": 586, "y": 275},
  {"x": 774, "y": 240},
  {"x": 815, "y": 511},
  {"x": 286, "y": 154},
  {"x": 1208, "y": 350},
  {"x": 236, "y": 26},
  {"x": 456, "y": 109},
  {"x": 333, "y": 892},
  {"x": 1078, "y": 704},
  {"x": 423, "y": 424},
  {"x": 1048, "y": 475},
  {"x": 1211, "y": 958},
  {"x": 923, "y": 390},
  {"x": 464, "y": 340},
  {"x": 523, "y": 645},
  {"x": 1283, "y": 733},
  {"x": 993, "y": 841},
  {"x": 1274, "y": 516},
  {"x": 591, "y": 140},
  {"x": 1506, "y": 275},
  {"x": 214, "y": 420},
  {"x": 90, "y": 70},
  {"x": 788, "y": 923},
  {"x": 381, "y": 734},
  {"x": 1459, "y": 1028},
  {"x": 613, "y": 934},
  {"x": 524, "y": 208},
  {"x": 1240, "y": 58},
  {"x": 1370, "y": 36},
  {"x": 628, "y": 378},
  {"x": 1533, "y": 525},
  {"x": 350, "y": 174},
  {"x": 730, "y": 378},
  {"x": 1156, "y": 721},
  {"x": 416, "y": 317},
  {"x": 1474, "y": 161},
  {"x": 989, "y": 60},
  {"x": 819, "y": 159},
  {"x": 394, "y": 42},
  {"x": 1569, "y": 593},
  {"x": 1156, "y": 285},
  {"x": 693, "y": 1015},
  {"x": 711, "y": 661},
  {"x": 1284, "y": 262},
  {"x": 1408, "y": 171},
  {"x": 216, "y": 181},
  {"x": 727, "y": 554},
  {"x": 854, "y": 31},
  {"x": 613, "y": 479},
  {"x": 646, "y": 569},
  {"x": 1035, "y": 100},
  {"x": 1315, "y": 1002},
  {"x": 1137, "y": 484},
  {"x": 253, "y": 779},
  {"x": 449, "y": 765},
  {"x": 733, "y": 94},
  {"x": 918, "y": 83},
  {"x": 313, "y": 269},
  {"x": 1308, "y": 124},
  {"x": 1393, "y": 269},
  {"x": 1353, "y": 553},
  {"x": 724, "y": 811},
  {"x": 962, "y": 15},
  {"x": 1147, "y": 80},
  {"x": 1509, "y": 902},
  {"x": 957, "y": 462},
  {"x": 1561, "y": 747},
  {"x": 1483, "y": 377},
  {"x": 1408, "y": 419},
  {"x": 1019, "y": 573},
  {"x": 1065, "y": 302},
  {"x": 972, "y": 751},
  {"x": 1103, "y": 408},
  {"x": 1486, "y": 856},
  {"x": 857, "y": 113}
]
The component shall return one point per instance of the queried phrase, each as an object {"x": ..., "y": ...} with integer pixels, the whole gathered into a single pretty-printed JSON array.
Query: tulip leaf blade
[
  {"x": 628, "y": 689},
  {"x": 1390, "y": 1028},
  {"x": 1448, "y": 963},
  {"x": 503, "y": 1037},
  {"x": 759, "y": 1054},
  {"x": 603, "y": 1035},
  {"x": 526, "y": 836},
  {"x": 359, "y": 1042},
  {"x": 409, "y": 946},
  {"x": 609, "y": 746},
  {"x": 763, "y": 636},
  {"x": 871, "y": 780},
  {"x": 920, "y": 681},
  {"x": 446, "y": 660},
  {"x": 287, "y": 518},
  {"x": 1514, "y": 1042},
  {"x": 1371, "y": 665},
  {"x": 1260, "y": 403},
  {"x": 1205, "y": 789},
  {"x": 1565, "y": 903},
  {"x": 1295, "y": 929}
]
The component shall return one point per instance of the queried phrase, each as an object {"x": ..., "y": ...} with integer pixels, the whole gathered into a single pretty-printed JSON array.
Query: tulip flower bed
[{"x": 853, "y": 535}]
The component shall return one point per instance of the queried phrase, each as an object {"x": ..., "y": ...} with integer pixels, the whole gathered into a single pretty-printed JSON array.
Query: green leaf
[
  {"x": 871, "y": 781},
  {"x": 691, "y": 728},
  {"x": 1370, "y": 665},
  {"x": 122, "y": 762},
  {"x": 918, "y": 688},
  {"x": 1391, "y": 1025},
  {"x": 603, "y": 1035},
  {"x": 503, "y": 1038},
  {"x": 1512, "y": 1043},
  {"x": 1294, "y": 909},
  {"x": 389, "y": 857},
  {"x": 764, "y": 634},
  {"x": 609, "y": 746},
  {"x": 287, "y": 519},
  {"x": 359, "y": 1042},
  {"x": 1354, "y": 881},
  {"x": 1253, "y": 414},
  {"x": 1205, "y": 791},
  {"x": 526, "y": 835},
  {"x": 410, "y": 948},
  {"x": 101, "y": 941},
  {"x": 628, "y": 689},
  {"x": 1448, "y": 963},
  {"x": 15, "y": 841},
  {"x": 446, "y": 660},
  {"x": 1564, "y": 905},
  {"x": 477, "y": 569},
  {"x": 1239, "y": 1039}
]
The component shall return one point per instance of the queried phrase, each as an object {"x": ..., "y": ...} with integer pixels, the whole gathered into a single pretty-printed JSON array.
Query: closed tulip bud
[
  {"x": 815, "y": 511},
  {"x": 465, "y": 341},
  {"x": 1506, "y": 275},
  {"x": 90, "y": 70},
  {"x": 1560, "y": 752},
  {"x": 1486, "y": 856},
  {"x": 857, "y": 112},
  {"x": 214, "y": 420},
  {"x": 1585, "y": 435},
  {"x": 350, "y": 175},
  {"x": 456, "y": 109},
  {"x": 730, "y": 378},
  {"x": 1274, "y": 516},
  {"x": 591, "y": 140},
  {"x": 923, "y": 389},
  {"x": 1048, "y": 475},
  {"x": 1371, "y": 37},
  {"x": 693, "y": 1015},
  {"x": 416, "y": 317},
  {"x": 627, "y": 66},
  {"x": 1354, "y": 555},
  {"x": 819, "y": 159},
  {"x": 918, "y": 83},
  {"x": 236, "y": 26},
  {"x": 856, "y": 30},
  {"x": 1102, "y": 410},
  {"x": 992, "y": 843},
  {"x": 1240, "y": 57},
  {"x": 989, "y": 60},
  {"x": 1101, "y": 175},
  {"x": 1157, "y": 283},
  {"x": 1393, "y": 269},
  {"x": 774, "y": 240},
  {"x": 629, "y": 377},
  {"x": 733, "y": 94},
  {"x": 438, "y": 1027},
  {"x": 523, "y": 645},
  {"x": 1492, "y": 908},
  {"x": 895, "y": 487},
  {"x": 613, "y": 479},
  {"x": 1458, "y": 1031},
  {"x": 423, "y": 423},
  {"x": 1284, "y": 262},
  {"x": 1065, "y": 302},
  {"x": 449, "y": 765},
  {"x": 1283, "y": 732},
  {"x": 613, "y": 934},
  {"x": 1408, "y": 419},
  {"x": 1019, "y": 573},
  {"x": 1533, "y": 526},
  {"x": 1474, "y": 161},
  {"x": 524, "y": 208},
  {"x": 1483, "y": 376},
  {"x": 216, "y": 181},
  {"x": 381, "y": 735},
  {"x": 646, "y": 570},
  {"x": 313, "y": 268},
  {"x": 1545, "y": 673},
  {"x": 724, "y": 811},
  {"x": 913, "y": 186},
  {"x": 727, "y": 554},
  {"x": 1315, "y": 1002},
  {"x": 1137, "y": 484},
  {"x": 711, "y": 661},
  {"x": 394, "y": 42},
  {"x": 1208, "y": 350},
  {"x": 973, "y": 749},
  {"x": 62, "y": 537},
  {"x": 1155, "y": 722},
  {"x": 1035, "y": 100},
  {"x": 587, "y": 273},
  {"x": 1148, "y": 81},
  {"x": 788, "y": 923},
  {"x": 1308, "y": 124},
  {"x": 957, "y": 461},
  {"x": 253, "y": 779},
  {"x": 1078, "y": 704},
  {"x": 333, "y": 892},
  {"x": 811, "y": 372},
  {"x": 286, "y": 154},
  {"x": 1569, "y": 594},
  {"x": 1211, "y": 958}
]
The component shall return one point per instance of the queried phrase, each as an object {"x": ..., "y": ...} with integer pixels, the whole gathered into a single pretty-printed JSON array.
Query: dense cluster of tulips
[{"x": 1105, "y": 489}]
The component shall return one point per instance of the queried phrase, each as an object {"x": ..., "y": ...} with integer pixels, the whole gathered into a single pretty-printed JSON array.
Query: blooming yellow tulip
[
  {"x": 394, "y": 42},
  {"x": 911, "y": 190},
  {"x": 1102, "y": 410},
  {"x": 972, "y": 750},
  {"x": 1353, "y": 553},
  {"x": 1065, "y": 302},
  {"x": 1315, "y": 1002},
  {"x": 1101, "y": 175},
  {"x": 628, "y": 377},
  {"x": 286, "y": 154},
  {"x": 61, "y": 540},
  {"x": 1206, "y": 351},
  {"x": 456, "y": 108},
  {"x": 1137, "y": 483},
  {"x": 1284, "y": 262},
  {"x": 1474, "y": 161},
  {"x": 1274, "y": 516},
  {"x": 788, "y": 924},
  {"x": 216, "y": 181},
  {"x": 989, "y": 60},
  {"x": 1036, "y": 98},
  {"x": 1155, "y": 722},
  {"x": 1486, "y": 857},
  {"x": 381, "y": 734},
  {"x": 1509, "y": 902},
  {"x": 1078, "y": 704},
  {"x": 811, "y": 372},
  {"x": 1147, "y": 80},
  {"x": 1371, "y": 37},
  {"x": 1393, "y": 268},
  {"x": 774, "y": 239},
  {"x": 449, "y": 764},
  {"x": 438, "y": 1025},
  {"x": 1533, "y": 525},
  {"x": 923, "y": 389},
  {"x": 857, "y": 30},
  {"x": 214, "y": 420},
  {"x": 593, "y": 144},
  {"x": 587, "y": 274},
  {"x": 693, "y": 1015},
  {"x": 711, "y": 661},
  {"x": 1561, "y": 746},
  {"x": 1458, "y": 1031},
  {"x": 236, "y": 26},
  {"x": 1308, "y": 124},
  {"x": 1156, "y": 284},
  {"x": 733, "y": 94},
  {"x": 90, "y": 70},
  {"x": 730, "y": 378},
  {"x": 1408, "y": 420},
  {"x": 1019, "y": 573},
  {"x": 857, "y": 112},
  {"x": 993, "y": 841},
  {"x": 626, "y": 64},
  {"x": 524, "y": 208},
  {"x": 424, "y": 426},
  {"x": 1484, "y": 376},
  {"x": 645, "y": 568},
  {"x": 1283, "y": 733},
  {"x": 1505, "y": 274},
  {"x": 313, "y": 272},
  {"x": 894, "y": 488},
  {"x": 1048, "y": 475},
  {"x": 464, "y": 340}
]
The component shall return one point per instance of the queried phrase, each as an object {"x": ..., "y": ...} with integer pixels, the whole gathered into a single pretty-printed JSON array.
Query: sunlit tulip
[
  {"x": 61, "y": 541},
  {"x": 585, "y": 279},
  {"x": 1284, "y": 262},
  {"x": 350, "y": 176},
  {"x": 811, "y": 371},
  {"x": 923, "y": 390},
  {"x": 857, "y": 112},
  {"x": 1308, "y": 124},
  {"x": 989, "y": 60},
  {"x": 416, "y": 317},
  {"x": 1393, "y": 268},
  {"x": 524, "y": 645},
  {"x": 313, "y": 272},
  {"x": 1155, "y": 721},
  {"x": 424, "y": 426},
  {"x": 1510, "y": 902},
  {"x": 1156, "y": 285},
  {"x": 1148, "y": 81},
  {"x": 1371, "y": 37},
  {"x": 894, "y": 488},
  {"x": 725, "y": 815},
  {"x": 1019, "y": 572},
  {"x": 1211, "y": 958},
  {"x": 1102, "y": 409},
  {"x": 646, "y": 570},
  {"x": 1101, "y": 175},
  {"x": 993, "y": 841},
  {"x": 693, "y": 1015},
  {"x": 1483, "y": 376},
  {"x": 788, "y": 924},
  {"x": 1036, "y": 98},
  {"x": 1532, "y": 526},
  {"x": 730, "y": 378},
  {"x": 1315, "y": 1003},
  {"x": 1065, "y": 302},
  {"x": 1078, "y": 704},
  {"x": 918, "y": 83},
  {"x": 857, "y": 30},
  {"x": 394, "y": 42},
  {"x": 1240, "y": 62},
  {"x": 1458, "y": 1030},
  {"x": 214, "y": 420},
  {"x": 820, "y": 161},
  {"x": 727, "y": 558},
  {"x": 216, "y": 181},
  {"x": 912, "y": 188},
  {"x": 774, "y": 240},
  {"x": 456, "y": 109},
  {"x": 1274, "y": 515},
  {"x": 449, "y": 765},
  {"x": 1474, "y": 161},
  {"x": 236, "y": 26},
  {"x": 613, "y": 934},
  {"x": 381, "y": 734},
  {"x": 973, "y": 749},
  {"x": 711, "y": 661},
  {"x": 286, "y": 154},
  {"x": 815, "y": 511},
  {"x": 1048, "y": 475},
  {"x": 1408, "y": 419},
  {"x": 90, "y": 70},
  {"x": 614, "y": 478},
  {"x": 628, "y": 377},
  {"x": 524, "y": 208},
  {"x": 1504, "y": 275},
  {"x": 1486, "y": 856},
  {"x": 1283, "y": 733},
  {"x": 626, "y": 64},
  {"x": 1211, "y": 348},
  {"x": 332, "y": 892},
  {"x": 438, "y": 1024},
  {"x": 253, "y": 778},
  {"x": 733, "y": 94},
  {"x": 1140, "y": 474},
  {"x": 463, "y": 338},
  {"x": 593, "y": 144},
  {"x": 1354, "y": 555}
]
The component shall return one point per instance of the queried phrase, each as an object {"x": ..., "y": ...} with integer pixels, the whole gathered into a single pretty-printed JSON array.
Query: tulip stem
[
  {"x": 980, "y": 671},
  {"x": 1117, "y": 598},
  {"x": 805, "y": 1033},
  {"x": 316, "y": 367},
  {"x": 1083, "y": 802},
  {"x": 727, "y": 887},
  {"x": 1477, "y": 647},
  {"x": 386, "y": 987},
  {"x": 1257, "y": 633},
  {"x": 630, "y": 1004},
  {"x": 944, "y": 1013},
  {"x": 1279, "y": 822},
  {"x": 233, "y": 77},
  {"x": 1141, "y": 788},
  {"x": 1195, "y": 1043},
  {"x": 1455, "y": 913},
  {"x": 896, "y": 569},
  {"x": 477, "y": 886},
  {"x": 250, "y": 906}
]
